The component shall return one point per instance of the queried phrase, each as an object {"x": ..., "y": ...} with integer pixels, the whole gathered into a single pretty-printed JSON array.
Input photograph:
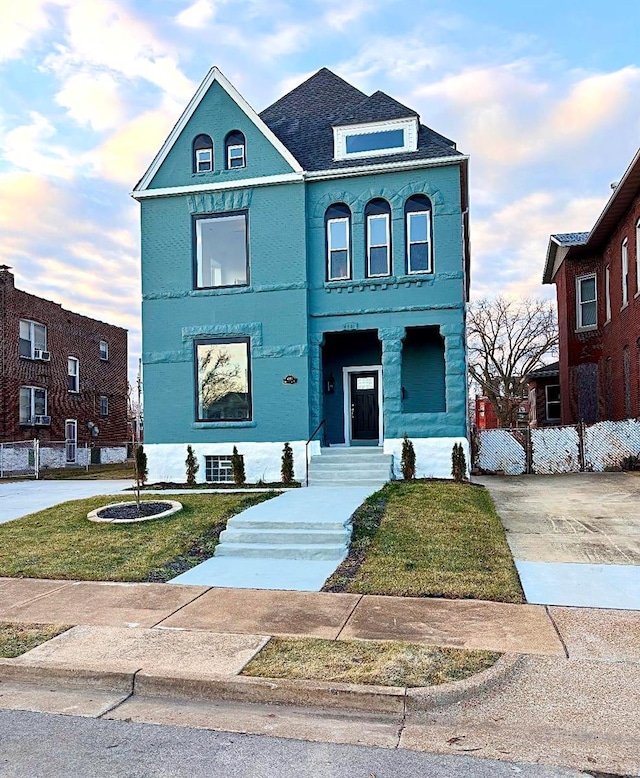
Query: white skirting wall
[{"x": 433, "y": 455}]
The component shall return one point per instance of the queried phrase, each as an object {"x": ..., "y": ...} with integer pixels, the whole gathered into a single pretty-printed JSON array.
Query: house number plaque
[{"x": 289, "y": 379}]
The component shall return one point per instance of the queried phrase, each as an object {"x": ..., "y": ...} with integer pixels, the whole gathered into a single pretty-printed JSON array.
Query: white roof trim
[
  {"x": 213, "y": 75},
  {"x": 219, "y": 186},
  {"x": 383, "y": 167}
]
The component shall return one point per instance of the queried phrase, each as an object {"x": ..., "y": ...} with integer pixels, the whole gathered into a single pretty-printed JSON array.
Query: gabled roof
[
  {"x": 576, "y": 244},
  {"x": 546, "y": 371},
  {"x": 304, "y": 119},
  {"x": 213, "y": 76}
]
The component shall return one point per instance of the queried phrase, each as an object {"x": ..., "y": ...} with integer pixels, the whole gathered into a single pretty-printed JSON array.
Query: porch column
[
  {"x": 456, "y": 371},
  {"x": 391, "y": 339},
  {"x": 315, "y": 380}
]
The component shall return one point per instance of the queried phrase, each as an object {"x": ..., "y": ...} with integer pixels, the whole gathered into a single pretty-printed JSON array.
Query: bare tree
[{"x": 506, "y": 341}]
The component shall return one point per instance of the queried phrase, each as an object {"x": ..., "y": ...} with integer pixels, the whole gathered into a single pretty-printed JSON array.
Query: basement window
[{"x": 218, "y": 469}]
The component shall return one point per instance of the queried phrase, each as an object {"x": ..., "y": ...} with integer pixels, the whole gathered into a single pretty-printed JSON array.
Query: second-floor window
[
  {"x": 104, "y": 406},
  {"x": 33, "y": 404},
  {"x": 638, "y": 257},
  {"x": 33, "y": 340},
  {"x": 418, "y": 234},
  {"x": 104, "y": 350},
  {"x": 607, "y": 292},
  {"x": 624, "y": 260},
  {"x": 338, "y": 242},
  {"x": 378, "y": 218},
  {"x": 587, "y": 302},
  {"x": 221, "y": 249},
  {"x": 73, "y": 374}
]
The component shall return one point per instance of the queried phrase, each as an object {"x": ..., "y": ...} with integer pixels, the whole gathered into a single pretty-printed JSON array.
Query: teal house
[{"x": 305, "y": 273}]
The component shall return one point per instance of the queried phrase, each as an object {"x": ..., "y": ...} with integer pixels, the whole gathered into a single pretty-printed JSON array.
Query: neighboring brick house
[
  {"x": 485, "y": 414},
  {"x": 597, "y": 278},
  {"x": 544, "y": 395},
  {"x": 307, "y": 264},
  {"x": 63, "y": 375}
]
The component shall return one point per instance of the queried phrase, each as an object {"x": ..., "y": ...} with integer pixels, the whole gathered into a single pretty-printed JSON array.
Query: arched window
[
  {"x": 417, "y": 211},
  {"x": 337, "y": 221},
  {"x": 378, "y": 237},
  {"x": 235, "y": 150},
  {"x": 202, "y": 154}
]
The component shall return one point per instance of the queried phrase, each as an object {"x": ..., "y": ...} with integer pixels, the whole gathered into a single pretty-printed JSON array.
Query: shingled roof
[{"x": 303, "y": 121}]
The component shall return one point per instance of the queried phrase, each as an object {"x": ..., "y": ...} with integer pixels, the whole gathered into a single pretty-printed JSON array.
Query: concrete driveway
[
  {"x": 575, "y": 537},
  {"x": 18, "y": 498}
]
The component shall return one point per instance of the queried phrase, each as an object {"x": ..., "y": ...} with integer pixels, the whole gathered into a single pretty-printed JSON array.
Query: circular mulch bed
[{"x": 128, "y": 512}]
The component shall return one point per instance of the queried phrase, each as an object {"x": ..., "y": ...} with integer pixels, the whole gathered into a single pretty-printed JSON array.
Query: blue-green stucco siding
[{"x": 216, "y": 116}]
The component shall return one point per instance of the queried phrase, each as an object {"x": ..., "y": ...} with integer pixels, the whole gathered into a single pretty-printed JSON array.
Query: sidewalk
[{"x": 565, "y": 692}]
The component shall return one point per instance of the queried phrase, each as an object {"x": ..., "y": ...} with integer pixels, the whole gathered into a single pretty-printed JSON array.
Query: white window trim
[
  {"x": 200, "y": 161},
  {"x": 579, "y": 325},
  {"x": 75, "y": 375},
  {"x": 229, "y": 150},
  {"x": 546, "y": 403},
  {"x": 371, "y": 245},
  {"x": 346, "y": 383},
  {"x": 607, "y": 293},
  {"x": 624, "y": 260},
  {"x": 637, "y": 258},
  {"x": 104, "y": 358},
  {"x": 32, "y": 324},
  {"x": 410, "y": 242},
  {"x": 32, "y": 403},
  {"x": 408, "y": 125},
  {"x": 106, "y": 399},
  {"x": 347, "y": 221},
  {"x": 71, "y": 444}
]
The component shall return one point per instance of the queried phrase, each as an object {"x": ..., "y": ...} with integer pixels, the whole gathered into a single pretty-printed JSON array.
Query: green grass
[
  {"x": 429, "y": 539},
  {"x": 61, "y": 543},
  {"x": 384, "y": 663},
  {"x": 16, "y": 639}
]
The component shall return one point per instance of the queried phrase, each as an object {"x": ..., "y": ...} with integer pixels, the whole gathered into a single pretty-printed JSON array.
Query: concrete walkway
[{"x": 575, "y": 537}]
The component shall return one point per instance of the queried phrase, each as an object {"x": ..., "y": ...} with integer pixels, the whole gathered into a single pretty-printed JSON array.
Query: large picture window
[
  {"x": 338, "y": 237},
  {"x": 418, "y": 234},
  {"x": 222, "y": 257},
  {"x": 223, "y": 375}
]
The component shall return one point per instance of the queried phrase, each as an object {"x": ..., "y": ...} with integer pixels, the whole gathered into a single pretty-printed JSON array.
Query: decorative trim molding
[
  {"x": 408, "y": 125},
  {"x": 392, "y": 309},
  {"x": 170, "y": 191},
  {"x": 385, "y": 167}
]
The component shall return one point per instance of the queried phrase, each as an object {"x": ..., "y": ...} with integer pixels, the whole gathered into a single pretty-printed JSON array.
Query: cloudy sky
[{"x": 544, "y": 97}]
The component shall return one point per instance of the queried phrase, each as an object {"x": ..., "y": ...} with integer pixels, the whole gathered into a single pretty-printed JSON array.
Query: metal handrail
[{"x": 306, "y": 448}]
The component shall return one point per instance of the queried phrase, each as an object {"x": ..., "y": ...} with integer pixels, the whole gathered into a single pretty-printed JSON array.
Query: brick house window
[
  {"x": 624, "y": 258},
  {"x": 221, "y": 250},
  {"x": 104, "y": 406},
  {"x": 552, "y": 399},
  {"x": 104, "y": 350},
  {"x": 218, "y": 469},
  {"x": 33, "y": 404},
  {"x": 626, "y": 375},
  {"x": 587, "y": 302},
  {"x": 33, "y": 340},
  {"x": 607, "y": 292},
  {"x": 223, "y": 379},
  {"x": 73, "y": 374},
  {"x": 638, "y": 257}
]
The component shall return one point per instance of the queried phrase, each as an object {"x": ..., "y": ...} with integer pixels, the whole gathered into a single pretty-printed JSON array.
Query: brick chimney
[{"x": 6, "y": 278}]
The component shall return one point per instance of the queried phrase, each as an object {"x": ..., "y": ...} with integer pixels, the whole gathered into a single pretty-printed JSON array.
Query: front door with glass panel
[
  {"x": 71, "y": 442},
  {"x": 364, "y": 406}
]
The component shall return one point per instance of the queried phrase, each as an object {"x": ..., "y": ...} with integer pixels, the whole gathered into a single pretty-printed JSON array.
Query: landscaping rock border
[{"x": 174, "y": 507}]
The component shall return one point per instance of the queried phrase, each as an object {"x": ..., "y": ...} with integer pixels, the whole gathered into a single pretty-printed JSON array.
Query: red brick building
[
  {"x": 63, "y": 376},
  {"x": 543, "y": 386},
  {"x": 597, "y": 278}
]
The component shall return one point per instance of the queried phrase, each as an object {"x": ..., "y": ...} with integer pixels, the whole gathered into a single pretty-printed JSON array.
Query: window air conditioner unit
[
  {"x": 42, "y": 421},
  {"x": 45, "y": 356}
]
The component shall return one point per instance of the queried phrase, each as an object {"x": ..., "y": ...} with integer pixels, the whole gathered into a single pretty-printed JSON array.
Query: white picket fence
[{"x": 568, "y": 449}]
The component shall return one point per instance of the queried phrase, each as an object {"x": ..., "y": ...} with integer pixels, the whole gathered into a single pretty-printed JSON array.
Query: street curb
[{"x": 270, "y": 691}]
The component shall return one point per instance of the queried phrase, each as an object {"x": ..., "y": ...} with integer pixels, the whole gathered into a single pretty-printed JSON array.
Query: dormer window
[
  {"x": 202, "y": 154},
  {"x": 376, "y": 139},
  {"x": 235, "y": 150}
]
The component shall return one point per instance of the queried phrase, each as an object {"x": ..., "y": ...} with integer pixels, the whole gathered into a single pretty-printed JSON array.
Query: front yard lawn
[
  {"x": 429, "y": 539},
  {"x": 61, "y": 543},
  {"x": 384, "y": 663},
  {"x": 16, "y": 639}
]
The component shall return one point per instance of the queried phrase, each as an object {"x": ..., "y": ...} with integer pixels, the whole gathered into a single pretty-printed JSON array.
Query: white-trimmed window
[
  {"x": 607, "y": 292},
  {"x": 202, "y": 154},
  {"x": 418, "y": 234},
  {"x": 104, "y": 350},
  {"x": 218, "y": 469},
  {"x": 638, "y": 257},
  {"x": 624, "y": 260},
  {"x": 222, "y": 251},
  {"x": 338, "y": 237},
  {"x": 73, "y": 374},
  {"x": 375, "y": 139},
  {"x": 378, "y": 218},
  {"x": 587, "y": 302},
  {"x": 223, "y": 375},
  {"x": 33, "y": 405},
  {"x": 235, "y": 150},
  {"x": 33, "y": 340},
  {"x": 552, "y": 402},
  {"x": 104, "y": 405}
]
